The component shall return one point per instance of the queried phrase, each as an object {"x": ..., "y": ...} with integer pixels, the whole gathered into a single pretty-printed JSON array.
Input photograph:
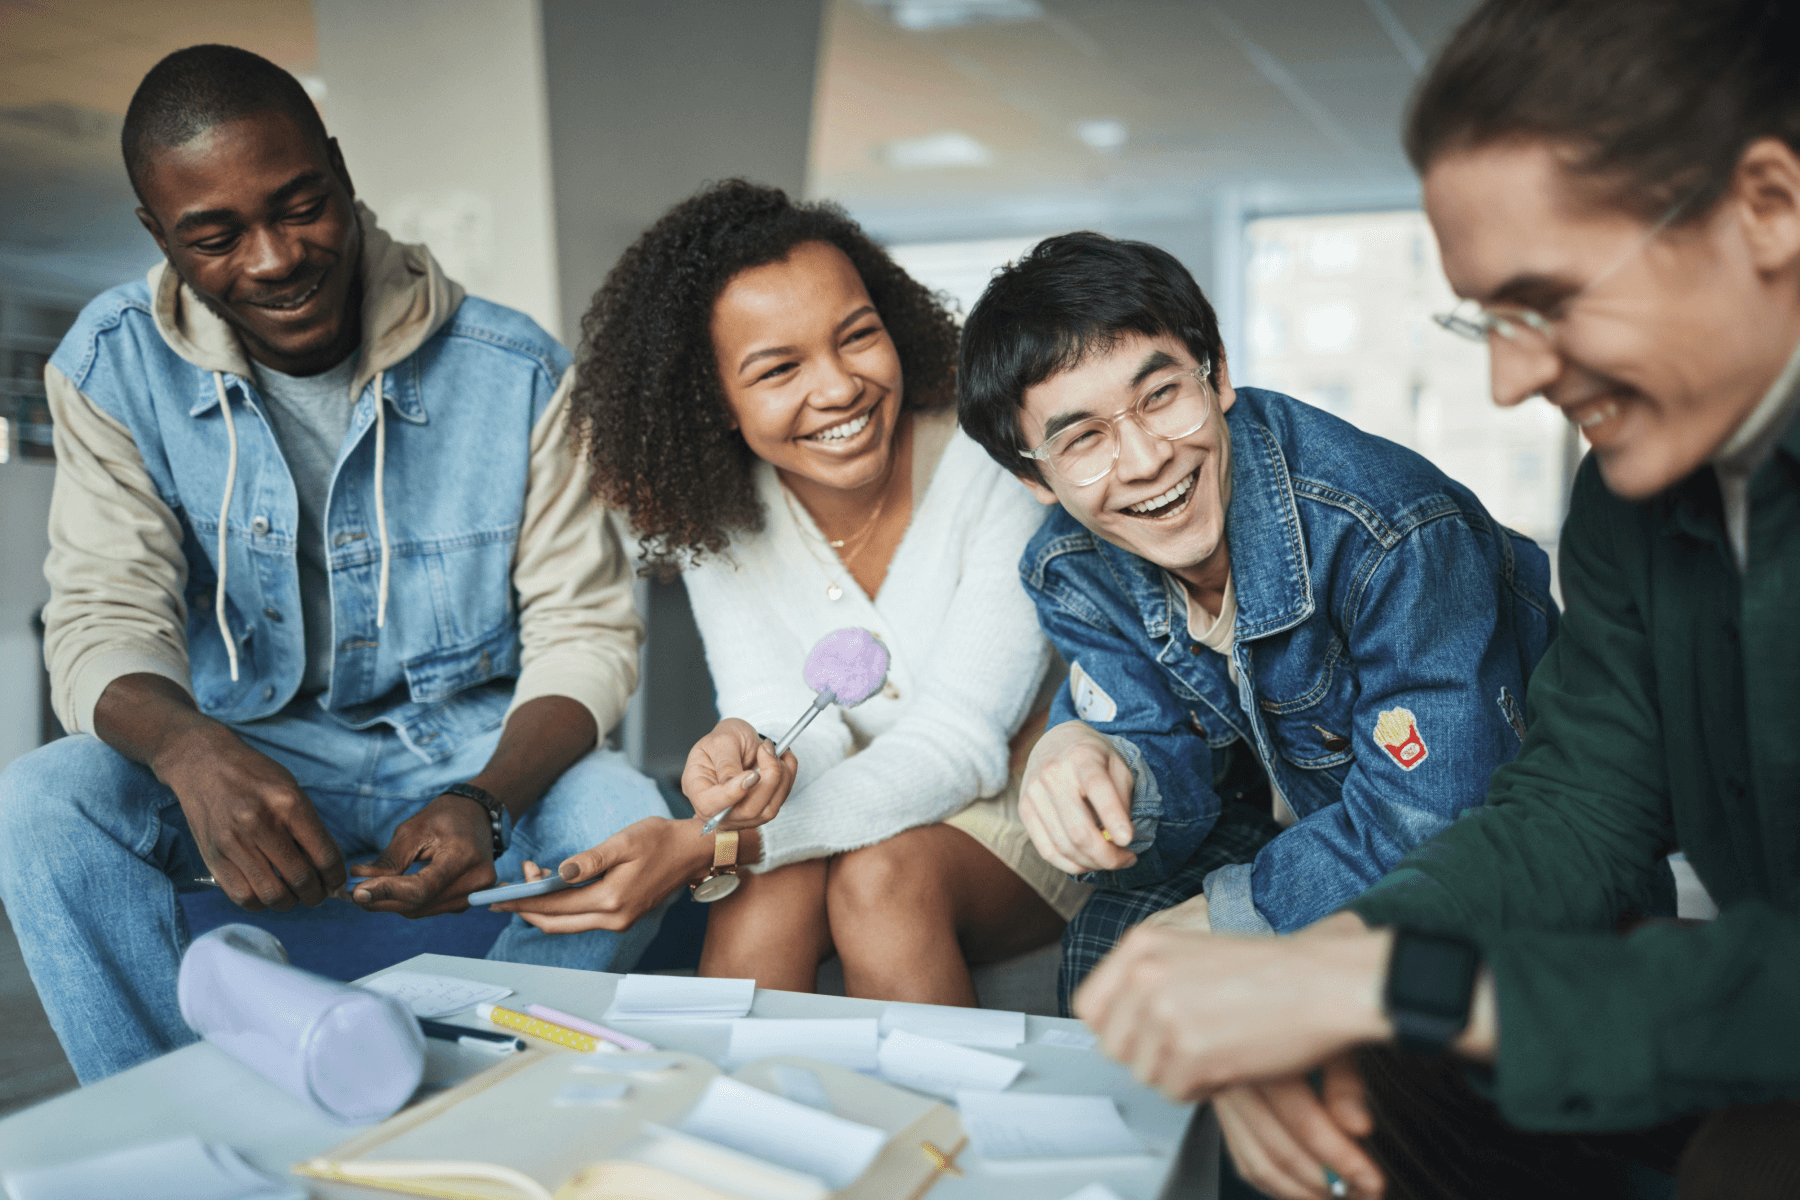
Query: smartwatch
[{"x": 1430, "y": 988}]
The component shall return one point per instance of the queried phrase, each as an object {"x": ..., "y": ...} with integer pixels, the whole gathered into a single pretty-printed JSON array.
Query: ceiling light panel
[{"x": 920, "y": 16}]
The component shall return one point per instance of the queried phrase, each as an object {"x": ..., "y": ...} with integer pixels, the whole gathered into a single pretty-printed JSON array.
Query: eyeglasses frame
[
  {"x": 1133, "y": 412},
  {"x": 1484, "y": 322}
]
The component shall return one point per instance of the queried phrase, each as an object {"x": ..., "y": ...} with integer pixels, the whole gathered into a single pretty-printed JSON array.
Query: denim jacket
[
  {"x": 1386, "y": 626},
  {"x": 463, "y": 384}
]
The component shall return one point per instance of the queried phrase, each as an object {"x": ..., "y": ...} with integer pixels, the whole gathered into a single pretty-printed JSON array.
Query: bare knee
[{"x": 900, "y": 874}]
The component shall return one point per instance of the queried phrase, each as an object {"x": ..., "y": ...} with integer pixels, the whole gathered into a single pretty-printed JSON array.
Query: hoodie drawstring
[
  {"x": 224, "y": 514},
  {"x": 231, "y": 463},
  {"x": 381, "y": 498}
]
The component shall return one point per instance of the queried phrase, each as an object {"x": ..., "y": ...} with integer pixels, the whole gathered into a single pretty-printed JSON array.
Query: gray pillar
[
  {"x": 648, "y": 102},
  {"x": 530, "y": 141}
]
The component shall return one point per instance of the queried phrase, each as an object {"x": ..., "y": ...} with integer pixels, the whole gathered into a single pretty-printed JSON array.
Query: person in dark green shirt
[{"x": 1615, "y": 186}]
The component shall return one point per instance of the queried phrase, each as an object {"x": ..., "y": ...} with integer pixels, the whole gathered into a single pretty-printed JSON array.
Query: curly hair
[{"x": 647, "y": 398}]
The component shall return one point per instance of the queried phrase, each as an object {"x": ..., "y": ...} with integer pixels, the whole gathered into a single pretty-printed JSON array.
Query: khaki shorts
[{"x": 995, "y": 823}]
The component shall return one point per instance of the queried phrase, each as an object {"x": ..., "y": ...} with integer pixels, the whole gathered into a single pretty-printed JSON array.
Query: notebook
[{"x": 681, "y": 1132}]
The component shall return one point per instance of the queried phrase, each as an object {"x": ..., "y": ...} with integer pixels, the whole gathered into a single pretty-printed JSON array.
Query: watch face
[{"x": 715, "y": 887}]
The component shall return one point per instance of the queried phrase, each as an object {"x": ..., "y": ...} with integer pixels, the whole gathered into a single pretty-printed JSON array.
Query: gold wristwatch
[{"x": 722, "y": 880}]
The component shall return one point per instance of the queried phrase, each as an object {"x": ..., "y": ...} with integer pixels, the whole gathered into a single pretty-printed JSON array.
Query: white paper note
[
  {"x": 680, "y": 998},
  {"x": 752, "y": 1121},
  {"x": 1093, "y": 1191},
  {"x": 433, "y": 996},
  {"x": 625, "y": 1064},
  {"x": 182, "y": 1169},
  {"x": 848, "y": 1042},
  {"x": 801, "y": 1086},
  {"x": 1015, "y": 1125},
  {"x": 941, "y": 1068},
  {"x": 964, "y": 1026},
  {"x": 585, "y": 1095},
  {"x": 1073, "y": 1039}
]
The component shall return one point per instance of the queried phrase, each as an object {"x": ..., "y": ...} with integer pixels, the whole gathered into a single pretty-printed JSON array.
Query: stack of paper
[
  {"x": 848, "y": 1042},
  {"x": 680, "y": 998},
  {"x": 964, "y": 1026},
  {"x": 928, "y": 1065},
  {"x": 433, "y": 996},
  {"x": 1013, "y": 1128},
  {"x": 752, "y": 1121},
  {"x": 183, "y": 1169}
]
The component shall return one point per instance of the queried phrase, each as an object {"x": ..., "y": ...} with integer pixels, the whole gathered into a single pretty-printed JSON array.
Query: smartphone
[{"x": 519, "y": 891}]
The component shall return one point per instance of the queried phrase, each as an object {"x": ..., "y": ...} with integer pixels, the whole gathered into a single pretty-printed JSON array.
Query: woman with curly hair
[{"x": 770, "y": 397}]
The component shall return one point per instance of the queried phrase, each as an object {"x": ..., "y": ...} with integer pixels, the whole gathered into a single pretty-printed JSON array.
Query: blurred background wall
[{"x": 528, "y": 141}]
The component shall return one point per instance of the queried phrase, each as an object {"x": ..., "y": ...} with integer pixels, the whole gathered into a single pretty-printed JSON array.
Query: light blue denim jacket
[
  {"x": 460, "y": 406},
  {"x": 1367, "y": 583}
]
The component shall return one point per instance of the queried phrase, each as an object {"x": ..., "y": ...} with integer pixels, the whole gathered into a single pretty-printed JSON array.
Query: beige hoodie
[{"x": 117, "y": 573}]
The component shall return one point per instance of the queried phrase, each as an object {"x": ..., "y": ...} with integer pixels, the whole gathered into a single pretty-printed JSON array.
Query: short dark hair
[
  {"x": 194, "y": 89},
  {"x": 1658, "y": 98},
  {"x": 647, "y": 399},
  {"x": 1069, "y": 297}
]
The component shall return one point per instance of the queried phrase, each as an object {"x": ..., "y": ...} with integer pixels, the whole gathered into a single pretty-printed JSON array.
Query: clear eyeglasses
[
  {"x": 1170, "y": 409},
  {"x": 1528, "y": 329}
]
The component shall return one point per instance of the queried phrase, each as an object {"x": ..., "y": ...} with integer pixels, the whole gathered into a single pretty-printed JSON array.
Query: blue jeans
[{"x": 93, "y": 849}]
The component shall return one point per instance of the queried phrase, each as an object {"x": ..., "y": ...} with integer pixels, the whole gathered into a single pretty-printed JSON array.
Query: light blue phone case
[{"x": 518, "y": 891}]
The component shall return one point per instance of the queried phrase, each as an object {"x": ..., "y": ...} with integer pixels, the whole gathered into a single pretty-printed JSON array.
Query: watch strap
[
  {"x": 725, "y": 850},
  {"x": 1430, "y": 988},
  {"x": 499, "y": 820}
]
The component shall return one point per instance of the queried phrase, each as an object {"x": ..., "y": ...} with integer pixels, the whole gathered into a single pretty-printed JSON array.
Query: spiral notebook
[{"x": 545, "y": 1125}]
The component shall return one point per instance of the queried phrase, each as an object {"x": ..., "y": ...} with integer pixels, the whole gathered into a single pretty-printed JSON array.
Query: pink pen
[{"x": 622, "y": 1040}]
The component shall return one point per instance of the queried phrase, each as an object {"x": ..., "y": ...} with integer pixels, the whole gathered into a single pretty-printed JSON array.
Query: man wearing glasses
[{"x": 1295, "y": 650}]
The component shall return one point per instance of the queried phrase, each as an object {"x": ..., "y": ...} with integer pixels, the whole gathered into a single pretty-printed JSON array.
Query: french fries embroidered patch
[{"x": 1397, "y": 732}]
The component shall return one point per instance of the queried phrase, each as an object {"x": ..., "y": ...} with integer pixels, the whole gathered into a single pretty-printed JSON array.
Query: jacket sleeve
[
  {"x": 1432, "y": 641},
  {"x": 950, "y": 746},
  {"x": 1128, "y": 699},
  {"x": 578, "y": 627},
  {"x": 1600, "y": 1032},
  {"x": 116, "y": 568}
]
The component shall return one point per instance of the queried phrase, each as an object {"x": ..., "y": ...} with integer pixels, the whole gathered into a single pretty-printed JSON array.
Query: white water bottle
[{"x": 352, "y": 1055}]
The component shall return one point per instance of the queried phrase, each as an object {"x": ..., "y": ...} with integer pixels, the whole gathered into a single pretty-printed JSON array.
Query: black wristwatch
[
  {"x": 1430, "y": 988},
  {"x": 499, "y": 820}
]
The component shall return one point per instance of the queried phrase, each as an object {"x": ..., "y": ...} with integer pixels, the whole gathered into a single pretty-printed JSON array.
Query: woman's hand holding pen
[
  {"x": 635, "y": 870},
  {"x": 735, "y": 768}
]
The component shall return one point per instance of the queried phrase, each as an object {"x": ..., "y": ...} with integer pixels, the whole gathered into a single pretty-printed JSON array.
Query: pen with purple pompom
[{"x": 845, "y": 667}]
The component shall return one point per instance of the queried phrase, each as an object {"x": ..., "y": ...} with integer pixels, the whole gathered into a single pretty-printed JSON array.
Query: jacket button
[
  {"x": 268, "y": 693},
  {"x": 1195, "y": 647},
  {"x": 259, "y": 525},
  {"x": 272, "y": 615}
]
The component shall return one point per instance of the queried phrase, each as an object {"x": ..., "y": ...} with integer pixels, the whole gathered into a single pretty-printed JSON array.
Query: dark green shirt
[{"x": 1666, "y": 715}]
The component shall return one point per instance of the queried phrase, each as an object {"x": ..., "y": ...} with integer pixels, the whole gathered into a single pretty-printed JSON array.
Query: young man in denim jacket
[
  {"x": 1295, "y": 650},
  {"x": 326, "y": 579}
]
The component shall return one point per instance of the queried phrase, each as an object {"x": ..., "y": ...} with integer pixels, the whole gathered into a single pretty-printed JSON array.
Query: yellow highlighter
[{"x": 537, "y": 1027}]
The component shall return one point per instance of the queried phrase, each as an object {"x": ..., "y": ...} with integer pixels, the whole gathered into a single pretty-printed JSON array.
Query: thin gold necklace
[{"x": 834, "y": 590}]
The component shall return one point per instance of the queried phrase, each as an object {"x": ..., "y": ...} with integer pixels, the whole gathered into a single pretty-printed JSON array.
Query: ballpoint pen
[{"x": 458, "y": 1033}]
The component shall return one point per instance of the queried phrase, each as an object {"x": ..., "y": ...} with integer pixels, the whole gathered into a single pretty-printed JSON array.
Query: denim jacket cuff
[
  {"x": 1146, "y": 795},
  {"x": 1146, "y": 815},
  {"x": 1230, "y": 907}
]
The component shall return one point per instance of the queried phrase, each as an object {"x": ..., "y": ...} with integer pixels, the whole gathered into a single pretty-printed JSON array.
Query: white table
[{"x": 199, "y": 1090}]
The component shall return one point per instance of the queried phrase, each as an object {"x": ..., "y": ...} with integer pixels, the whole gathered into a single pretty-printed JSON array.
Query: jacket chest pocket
[
  {"x": 1313, "y": 730},
  {"x": 447, "y": 672}
]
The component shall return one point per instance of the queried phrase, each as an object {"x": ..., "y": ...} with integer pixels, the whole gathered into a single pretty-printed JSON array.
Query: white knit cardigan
[{"x": 967, "y": 655}]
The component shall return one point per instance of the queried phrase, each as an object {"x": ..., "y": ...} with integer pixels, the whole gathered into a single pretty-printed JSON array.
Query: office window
[{"x": 1338, "y": 313}]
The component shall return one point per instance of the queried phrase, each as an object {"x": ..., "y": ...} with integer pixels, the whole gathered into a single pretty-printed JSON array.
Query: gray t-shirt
[{"x": 310, "y": 417}]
